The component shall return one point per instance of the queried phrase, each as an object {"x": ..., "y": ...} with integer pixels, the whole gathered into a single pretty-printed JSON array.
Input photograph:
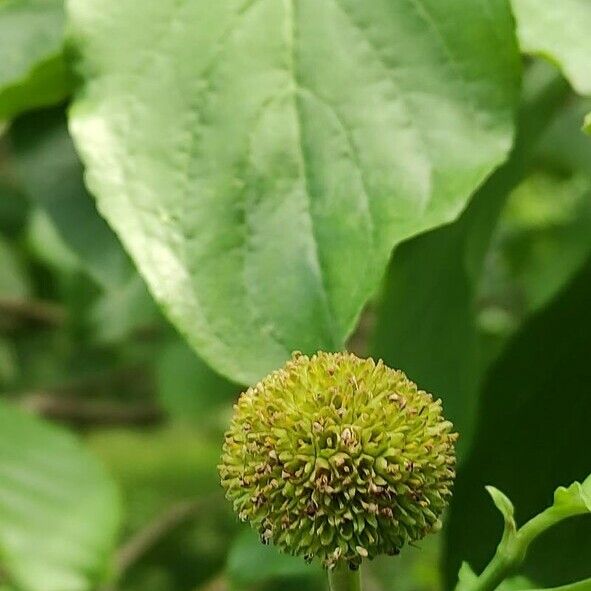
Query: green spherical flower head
[{"x": 339, "y": 458}]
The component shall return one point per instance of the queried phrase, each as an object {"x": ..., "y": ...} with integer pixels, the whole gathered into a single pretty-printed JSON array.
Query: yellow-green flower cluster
[{"x": 339, "y": 458}]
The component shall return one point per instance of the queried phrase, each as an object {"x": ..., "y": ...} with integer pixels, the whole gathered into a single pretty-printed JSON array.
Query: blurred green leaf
[
  {"x": 532, "y": 433},
  {"x": 58, "y": 509},
  {"x": 123, "y": 310},
  {"x": 303, "y": 142},
  {"x": 542, "y": 237},
  {"x": 9, "y": 367},
  {"x": 33, "y": 72},
  {"x": 416, "y": 569},
  {"x": 252, "y": 564},
  {"x": 155, "y": 471},
  {"x": 541, "y": 241},
  {"x": 188, "y": 389},
  {"x": 48, "y": 246},
  {"x": 51, "y": 174},
  {"x": 579, "y": 586},
  {"x": 564, "y": 149},
  {"x": 13, "y": 207},
  {"x": 517, "y": 583},
  {"x": 14, "y": 282},
  {"x": 157, "y": 468}
]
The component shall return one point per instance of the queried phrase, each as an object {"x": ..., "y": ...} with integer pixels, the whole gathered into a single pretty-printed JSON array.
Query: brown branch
[
  {"x": 218, "y": 583},
  {"x": 146, "y": 538},
  {"x": 81, "y": 412},
  {"x": 33, "y": 311}
]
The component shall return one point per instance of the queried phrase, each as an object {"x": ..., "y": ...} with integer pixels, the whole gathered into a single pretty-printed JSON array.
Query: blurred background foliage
[{"x": 491, "y": 312}]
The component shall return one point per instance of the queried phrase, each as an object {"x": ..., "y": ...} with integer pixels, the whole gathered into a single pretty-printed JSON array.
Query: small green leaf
[
  {"x": 505, "y": 506},
  {"x": 466, "y": 577},
  {"x": 58, "y": 509},
  {"x": 304, "y": 140},
  {"x": 574, "y": 500},
  {"x": 33, "y": 72},
  {"x": 587, "y": 123}
]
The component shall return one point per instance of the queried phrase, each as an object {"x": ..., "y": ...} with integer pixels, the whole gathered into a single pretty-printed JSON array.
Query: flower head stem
[
  {"x": 342, "y": 578},
  {"x": 511, "y": 554}
]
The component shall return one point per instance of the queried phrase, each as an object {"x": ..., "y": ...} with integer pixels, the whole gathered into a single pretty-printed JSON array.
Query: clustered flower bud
[{"x": 339, "y": 458}]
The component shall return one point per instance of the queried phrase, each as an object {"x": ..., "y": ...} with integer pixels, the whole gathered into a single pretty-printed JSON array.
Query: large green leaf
[
  {"x": 33, "y": 72},
  {"x": 261, "y": 158},
  {"x": 533, "y": 434},
  {"x": 58, "y": 509},
  {"x": 51, "y": 174}
]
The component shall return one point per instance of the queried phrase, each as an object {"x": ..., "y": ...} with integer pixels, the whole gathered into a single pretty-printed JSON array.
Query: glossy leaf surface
[{"x": 260, "y": 159}]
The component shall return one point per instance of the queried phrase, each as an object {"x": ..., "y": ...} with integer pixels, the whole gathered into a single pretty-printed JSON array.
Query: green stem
[
  {"x": 494, "y": 574},
  {"x": 511, "y": 552},
  {"x": 342, "y": 578}
]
